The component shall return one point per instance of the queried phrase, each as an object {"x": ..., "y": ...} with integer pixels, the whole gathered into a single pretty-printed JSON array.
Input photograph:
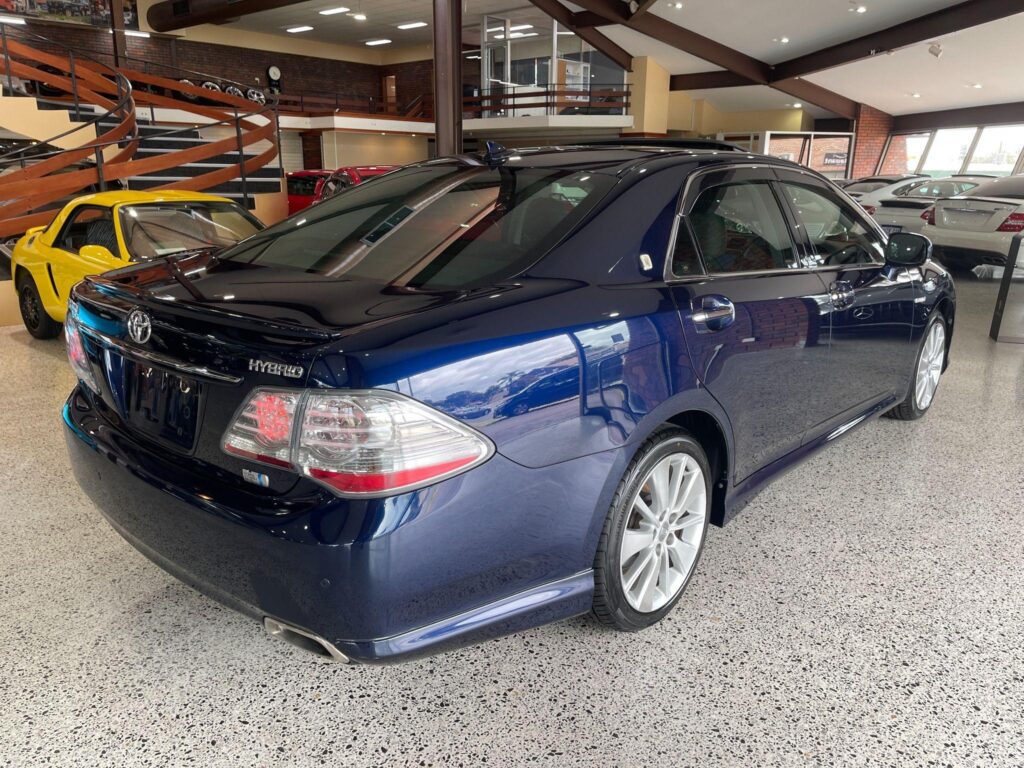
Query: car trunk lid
[{"x": 974, "y": 214}]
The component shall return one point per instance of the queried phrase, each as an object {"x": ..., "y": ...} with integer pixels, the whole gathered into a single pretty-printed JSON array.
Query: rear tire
[
  {"x": 654, "y": 533},
  {"x": 931, "y": 356},
  {"x": 33, "y": 313}
]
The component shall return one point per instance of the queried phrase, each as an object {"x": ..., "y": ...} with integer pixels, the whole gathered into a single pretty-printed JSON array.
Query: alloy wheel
[
  {"x": 664, "y": 533},
  {"x": 929, "y": 365},
  {"x": 29, "y": 308}
]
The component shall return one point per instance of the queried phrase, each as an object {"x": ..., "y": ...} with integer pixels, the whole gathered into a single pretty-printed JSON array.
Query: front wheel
[
  {"x": 33, "y": 314},
  {"x": 927, "y": 370},
  {"x": 654, "y": 533}
]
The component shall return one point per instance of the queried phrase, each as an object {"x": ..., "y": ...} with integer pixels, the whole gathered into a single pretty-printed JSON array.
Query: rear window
[
  {"x": 865, "y": 186},
  {"x": 1011, "y": 187},
  {"x": 934, "y": 189},
  {"x": 432, "y": 227}
]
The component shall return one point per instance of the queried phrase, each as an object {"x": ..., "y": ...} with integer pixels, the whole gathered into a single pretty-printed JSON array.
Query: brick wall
[
  {"x": 412, "y": 78},
  {"x": 873, "y": 127}
]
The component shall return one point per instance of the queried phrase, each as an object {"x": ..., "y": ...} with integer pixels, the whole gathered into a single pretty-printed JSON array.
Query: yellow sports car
[{"x": 108, "y": 230}]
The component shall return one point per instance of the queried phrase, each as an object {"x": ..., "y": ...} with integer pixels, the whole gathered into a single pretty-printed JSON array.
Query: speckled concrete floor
[{"x": 868, "y": 609}]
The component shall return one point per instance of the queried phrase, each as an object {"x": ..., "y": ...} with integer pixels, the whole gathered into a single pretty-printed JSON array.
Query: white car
[
  {"x": 978, "y": 226},
  {"x": 902, "y": 213},
  {"x": 869, "y": 190}
]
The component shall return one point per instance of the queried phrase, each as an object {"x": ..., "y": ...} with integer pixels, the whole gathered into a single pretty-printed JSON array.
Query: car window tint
[
  {"x": 89, "y": 225},
  {"x": 302, "y": 185},
  {"x": 685, "y": 259},
  {"x": 740, "y": 228},
  {"x": 836, "y": 234},
  {"x": 435, "y": 226}
]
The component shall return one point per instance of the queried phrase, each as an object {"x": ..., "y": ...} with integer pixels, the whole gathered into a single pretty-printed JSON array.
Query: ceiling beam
[
  {"x": 642, "y": 7},
  {"x": 589, "y": 19},
  {"x": 805, "y": 90},
  {"x": 721, "y": 78},
  {"x": 563, "y": 16},
  {"x": 1012, "y": 112},
  {"x": 162, "y": 16},
  {"x": 928, "y": 27}
]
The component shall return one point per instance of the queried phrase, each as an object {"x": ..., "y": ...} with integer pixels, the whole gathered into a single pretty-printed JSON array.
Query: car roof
[
  {"x": 617, "y": 159},
  {"x": 129, "y": 197}
]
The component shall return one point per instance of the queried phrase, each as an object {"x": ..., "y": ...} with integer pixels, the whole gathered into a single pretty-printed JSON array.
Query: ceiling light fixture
[
  {"x": 294, "y": 30},
  {"x": 332, "y": 11},
  {"x": 782, "y": 40},
  {"x": 358, "y": 16},
  {"x": 797, "y": 105},
  {"x": 413, "y": 25},
  {"x": 855, "y": 7},
  {"x": 513, "y": 28},
  {"x": 935, "y": 50},
  {"x": 382, "y": 41},
  {"x": 678, "y": 6},
  {"x": 915, "y": 95},
  {"x": 975, "y": 85}
]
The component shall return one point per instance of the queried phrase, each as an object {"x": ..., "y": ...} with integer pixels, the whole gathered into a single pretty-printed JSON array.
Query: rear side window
[
  {"x": 1011, "y": 187},
  {"x": 438, "y": 226},
  {"x": 302, "y": 185},
  {"x": 740, "y": 228}
]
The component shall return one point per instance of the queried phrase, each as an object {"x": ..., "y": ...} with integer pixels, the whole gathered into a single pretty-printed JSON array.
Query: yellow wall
[
  {"x": 649, "y": 96},
  {"x": 9, "y": 313},
  {"x": 342, "y": 148},
  {"x": 700, "y": 117}
]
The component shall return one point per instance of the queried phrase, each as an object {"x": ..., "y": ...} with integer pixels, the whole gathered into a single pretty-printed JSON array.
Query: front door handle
[
  {"x": 713, "y": 313},
  {"x": 841, "y": 294}
]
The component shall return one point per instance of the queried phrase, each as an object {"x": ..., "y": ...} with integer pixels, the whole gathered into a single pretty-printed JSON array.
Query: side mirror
[
  {"x": 906, "y": 249},
  {"x": 96, "y": 253}
]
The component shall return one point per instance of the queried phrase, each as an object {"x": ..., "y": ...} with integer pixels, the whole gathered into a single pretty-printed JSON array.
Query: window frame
[{"x": 70, "y": 220}]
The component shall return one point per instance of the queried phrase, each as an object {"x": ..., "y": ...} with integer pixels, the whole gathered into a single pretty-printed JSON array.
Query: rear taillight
[
  {"x": 77, "y": 355},
  {"x": 870, "y": 209},
  {"x": 1014, "y": 223},
  {"x": 356, "y": 442},
  {"x": 928, "y": 214}
]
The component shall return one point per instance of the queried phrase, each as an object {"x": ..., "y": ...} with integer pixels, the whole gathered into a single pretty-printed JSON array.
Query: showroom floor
[{"x": 866, "y": 610}]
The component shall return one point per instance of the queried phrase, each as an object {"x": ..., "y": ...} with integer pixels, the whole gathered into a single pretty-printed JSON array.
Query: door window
[
  {"x": 835, "y": 233},
  {"x": 739, "y": 227},
  {"x": 89, "y": 225}
]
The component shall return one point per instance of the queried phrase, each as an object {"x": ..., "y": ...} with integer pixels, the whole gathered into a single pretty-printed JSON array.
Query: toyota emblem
[{"x": 139, "y": 326}]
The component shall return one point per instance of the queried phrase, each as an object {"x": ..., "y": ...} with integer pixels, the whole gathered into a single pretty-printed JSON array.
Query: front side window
[
  {"x": 434, "y": 226},
  {"x": 152, "y": 230},
  {"x": 738, "y": 227},
  {"x": 836, "y": 234},
  {"x": 89, "y": 225}
]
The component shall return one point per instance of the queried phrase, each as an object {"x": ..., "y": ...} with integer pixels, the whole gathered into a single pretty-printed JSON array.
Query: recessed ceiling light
[
  {"x": 855, "y": 8},
  {"x": 677, "y": 6},
  {"x": 413, "y": 25},
  {"x": 358, "y": 16},
  {"x": 782, "y": 40},
  {"x": 797, "y": 105},
  {"x": 305, "y": 28},
  {"x": 382, "y": 41},
  {"x": 915, "y": 95},
  {"x": 332, "y": 11},
  {"x": 975, "y": 85}
]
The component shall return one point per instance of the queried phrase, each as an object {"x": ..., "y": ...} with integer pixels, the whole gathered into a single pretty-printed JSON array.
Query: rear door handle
[
  {"x": 713, "y": 313},
  {"x": 841, "y": 294}
]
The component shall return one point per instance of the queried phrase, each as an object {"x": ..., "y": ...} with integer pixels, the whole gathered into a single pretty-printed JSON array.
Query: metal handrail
[{"x": 122, "y": 83}]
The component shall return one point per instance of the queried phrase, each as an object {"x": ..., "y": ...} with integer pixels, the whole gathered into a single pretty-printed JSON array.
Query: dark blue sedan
[{"x": 482, "y": 393}]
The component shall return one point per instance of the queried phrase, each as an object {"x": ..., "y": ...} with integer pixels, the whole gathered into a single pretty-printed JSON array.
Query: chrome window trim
[{"x": 156, "y": 358}]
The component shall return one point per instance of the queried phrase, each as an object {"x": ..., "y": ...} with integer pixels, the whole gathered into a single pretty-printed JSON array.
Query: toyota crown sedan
[{"x": 492, "y": 391}]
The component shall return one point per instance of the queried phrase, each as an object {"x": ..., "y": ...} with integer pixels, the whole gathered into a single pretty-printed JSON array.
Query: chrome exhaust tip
[{"x": 304, "y": 639}]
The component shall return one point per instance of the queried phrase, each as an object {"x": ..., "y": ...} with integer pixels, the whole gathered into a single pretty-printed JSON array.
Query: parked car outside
[
  {"x": 978, "y": 226},
  {"x": 903, "y": 213},
  {"x": 302, "y": 186},
  {"x": 349, "y": 176},
  {"x": 107, "y": 230},
  {"x": 484, "y": 393}
]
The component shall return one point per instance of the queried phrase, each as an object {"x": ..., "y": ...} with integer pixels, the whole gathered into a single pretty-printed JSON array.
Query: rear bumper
[
  {"x": 379, "y": 579},
  {"x": 968, "y": 249}
]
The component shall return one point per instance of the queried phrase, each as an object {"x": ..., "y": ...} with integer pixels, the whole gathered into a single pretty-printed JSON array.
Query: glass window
[
  {"x": 997, "y": 150},
  {"x": 740, "y": 228},
  {"x": 904, "y": 152},
  {"x": 432, "y": 227},
  {"x": 948, "y": 151},
  {"x": 685, "y": 260},
  {"x": 944, "y": 188},
  {"x": 836, "y": 234},
  {"x": 159, "y": 229},
  {"x": 304, "y": 185},
  {"x": 1008, "y": 187},
  {"x": 89, "y": 225}
]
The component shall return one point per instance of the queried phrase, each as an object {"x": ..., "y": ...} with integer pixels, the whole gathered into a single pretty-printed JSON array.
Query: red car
[
  {"x": 346, "y": 177},
  {"x": 302, "y": 188}
]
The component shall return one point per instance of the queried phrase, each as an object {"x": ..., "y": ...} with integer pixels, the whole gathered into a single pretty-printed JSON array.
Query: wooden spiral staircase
[{"x": 101, "y": 148}]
